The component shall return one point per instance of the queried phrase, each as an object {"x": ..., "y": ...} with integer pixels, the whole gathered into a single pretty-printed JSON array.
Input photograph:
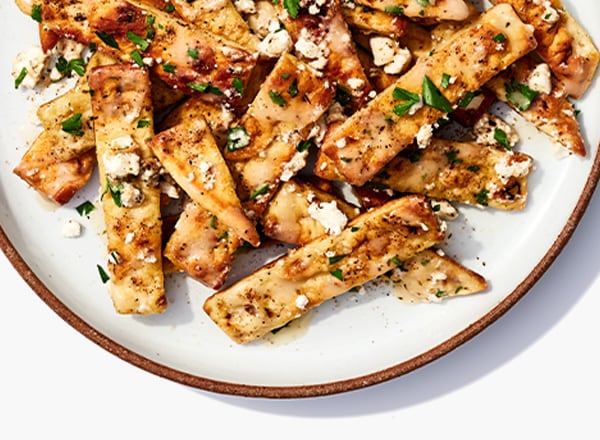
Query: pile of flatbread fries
[{"x": 350, "y": 130}]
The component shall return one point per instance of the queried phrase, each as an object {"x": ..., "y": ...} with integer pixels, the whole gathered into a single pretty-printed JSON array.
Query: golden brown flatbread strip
[
  {"x": 58, "y": 180},
  {"x": 129, "y": 178},
  {"x": 464, "y": 172},
  {"x": 202, "y": 246},
  {"x": 369, "y": 246},
  {"x": 562, "y": 42},
  {"x": 189, "y": 153},
  {"x": 367, "y": 140}
]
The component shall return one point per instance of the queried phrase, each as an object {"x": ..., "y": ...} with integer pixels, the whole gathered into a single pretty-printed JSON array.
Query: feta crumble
[
  {"x": 329, "y": 215},
  {"x": 71, "y": 229}
]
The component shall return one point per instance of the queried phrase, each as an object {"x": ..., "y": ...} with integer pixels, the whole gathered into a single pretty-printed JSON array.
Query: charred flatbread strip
[
  {"x": 548, "y": 108},
  {"x": 367, "y": 140},
  {"x": 369, "y": 246},
  {"x": 129, "y": 177},
  {"x": 190, "y": 154},
  {"x": 562, "y": 42},
  {"x": 464, "y": 172},
  {"x": 185, "y": 57}
]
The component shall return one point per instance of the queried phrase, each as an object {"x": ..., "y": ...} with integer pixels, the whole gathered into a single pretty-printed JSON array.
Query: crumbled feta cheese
[
  {"x": 399, "y": 63},
  {"x": 169, "y": 189},
  {"x": 329, "y": 215},
  {"x": 444, "y": 209},
  {"x": 71, "y": 229},
  {"x": 424, "y": 135},
  {"x": 119, "y": 165},
  {"x": 301, "y": 301},
  {"x": 130, "y": 195},
  {"x": 208, "y": 174},
  {"x": 264, "y": 19},
  {"x": 245, "y": 6},
  {"x": 34, "y": 61},
  {"x": 508, "y": 167},
  {"x": 550, "y": 15},
  {"x": 316, "y": 53},
  {"x": 540, "y": 79},
  {"x": 356, "y": 83},
  {"x": 388, "y": 53},
  {"x": 129, "y": 237},
  {"x": 291, "y": 168},
  {"x": 276, "y": 43},
  {"x": 121, "y": 142}
]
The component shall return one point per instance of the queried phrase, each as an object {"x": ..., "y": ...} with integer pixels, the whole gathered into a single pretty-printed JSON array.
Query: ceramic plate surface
[{"x": 347, "y": 343}]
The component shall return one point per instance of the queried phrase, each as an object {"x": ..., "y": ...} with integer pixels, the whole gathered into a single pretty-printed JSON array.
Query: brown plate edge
[{"x": 318, "y": 389}]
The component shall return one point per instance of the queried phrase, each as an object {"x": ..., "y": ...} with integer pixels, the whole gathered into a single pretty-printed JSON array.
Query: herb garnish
[
  {"x": 85, "y": 208},
  {"x": 520, "y": 95},
  {"x": 502, "y": 138},
  {"x": 36, "y": 13},
  {"x": 103, "y": 275},
  {"x": 19, "y": 79},
  {"x": 205, "y": 88},
  {"x": 259, "y": 192},
  {"x": 73, "y": 125},
  {"x": 277, "y": 98},
  {"x": 292, "y": 7},
  {"x": 433, "y": 97},
  {"x": 108, "y": 40}
]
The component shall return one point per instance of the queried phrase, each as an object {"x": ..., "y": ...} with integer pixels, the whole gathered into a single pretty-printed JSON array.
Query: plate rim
[{"x": 320, "y": 389}]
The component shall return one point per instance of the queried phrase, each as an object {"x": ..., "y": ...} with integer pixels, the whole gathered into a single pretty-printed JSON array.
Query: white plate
[{"x": 347, "y": 343}]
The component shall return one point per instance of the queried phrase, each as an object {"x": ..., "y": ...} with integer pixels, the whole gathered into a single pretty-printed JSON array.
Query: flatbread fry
[
  {"x": 369, "y": 246},
  {"x": 129, "y": 176}
]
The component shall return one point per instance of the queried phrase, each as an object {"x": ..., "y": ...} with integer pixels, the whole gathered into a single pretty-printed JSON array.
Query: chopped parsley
[
  {"x": 115, "y": 192},
  {"x": 150, "y": 33},
  {"x": 466, "y": 100},
  {"x": 213, "y": 222},
  {"x": 260, "y": 191},
  {"x": 19, "y": 79},
  {"x": 499, "y": 38},
  {"x": 336, "y": 258},
  {"x": 143, "y": 123},
  {"x": 169, "y": 7},
  {"x": 85, "y": 208},
  {"x": 473, "y": 168},
  {"x": 293, "y": 88},
  {"x": 338, "y": 274},
  {"x": 223, "y": 236},
  {"x": 302, "y": 146},
  {"x": 445, "y": 80},
  {"x": 292, "y": 7},
  {"x": 140, "y": 42},
  {"x": 108, "y": 40},
  {"x": 103, "y": 275},
  {"x": 482, "y": 197},
  {"x": 36, "y": 13},
  {"x": 205, "y": 88},
  {"x": 136, "y": 56},
  {"x": 65, "y": 67},
  {"x": 277, "y": 98},
  {"x": 452, "y": 157},
  {"x": 193, "y": 52},
  {"x": 169, "y": 68},
  {"x": 397, "y": 10},
  {"x": 520, "y": 95},
  {"x": 501, "y": 137},
  {"x": 409, "y": 99},
  {"x": 238, "y": 85},
  {"x": 433, "y": 97},
  {"x": 73, "y": 125}
]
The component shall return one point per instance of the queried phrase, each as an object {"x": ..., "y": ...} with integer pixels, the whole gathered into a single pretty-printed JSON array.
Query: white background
[{"x": 533, "y": 373}]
